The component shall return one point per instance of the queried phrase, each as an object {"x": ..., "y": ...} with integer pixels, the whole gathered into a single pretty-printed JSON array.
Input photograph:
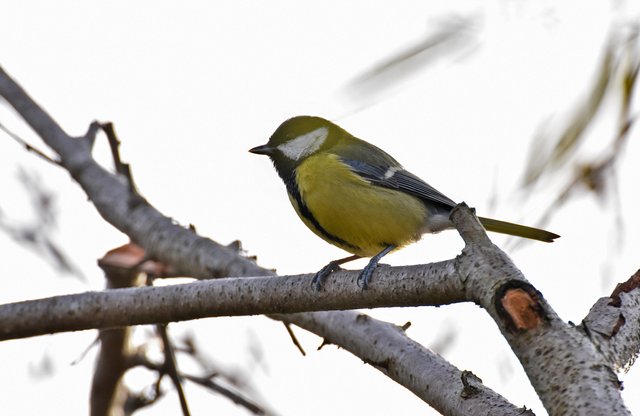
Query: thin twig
[
  {"x": 171, "y": 368},
  {"x": 205, "y": 381},
  {"x": 208, "y": 382},
  {"x": 28, "y": 146},
  {"x": 294, "y": 339},
  {"x": 114, "y": 143}
]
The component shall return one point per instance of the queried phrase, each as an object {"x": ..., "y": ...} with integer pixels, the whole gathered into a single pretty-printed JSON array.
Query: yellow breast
[{"x": 366, "y": 217}]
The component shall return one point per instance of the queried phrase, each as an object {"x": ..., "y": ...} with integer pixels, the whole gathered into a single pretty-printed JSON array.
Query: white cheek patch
[{"x": 304, "y": 144}]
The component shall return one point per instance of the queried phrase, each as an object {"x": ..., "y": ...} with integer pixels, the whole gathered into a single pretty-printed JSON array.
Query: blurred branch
[
  {"x": 216, "y": 378},
  {"x": 135, "y": 402},
  {"x": 171, "y": 368},
  {"x": 37, "y": 235},
  {"x": 169, "y": 365},
  {"x": 208, "y": 382},
  {"x": 234, "y": 377}
]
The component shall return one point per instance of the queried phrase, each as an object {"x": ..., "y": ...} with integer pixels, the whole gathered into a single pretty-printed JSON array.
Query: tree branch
[
  {"x": 387, "y": 348},
  {"x": 566, "y": 369},
  {"x": 170, "y": 367},
  {"x": 431, "y": 284}
]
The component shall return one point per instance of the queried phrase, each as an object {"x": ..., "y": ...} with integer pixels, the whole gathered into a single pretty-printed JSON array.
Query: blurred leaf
[
  {"x": 451, "y": 35},
  {"x": 44, "y": 368},
  {"x": 597, "y": 174},
  {"x": 567, "y": 142},
  {"x": 445, "y": 340},
  {"x": 574, "y": 132},
  {"x": 629, "y": 83}
]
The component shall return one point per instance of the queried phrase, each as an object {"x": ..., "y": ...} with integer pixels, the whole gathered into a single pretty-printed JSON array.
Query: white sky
[{"x": 192, "y": 86}]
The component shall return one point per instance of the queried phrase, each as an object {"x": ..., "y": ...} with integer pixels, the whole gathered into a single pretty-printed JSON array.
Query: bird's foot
[
  {"x": 365, "y": 275},
  {"x": 367, "y": 272},
  {"x": 316, "y": 282}
]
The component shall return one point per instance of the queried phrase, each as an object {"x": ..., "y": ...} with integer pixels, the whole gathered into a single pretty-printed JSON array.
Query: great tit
[{"x": 357, "y": 197}]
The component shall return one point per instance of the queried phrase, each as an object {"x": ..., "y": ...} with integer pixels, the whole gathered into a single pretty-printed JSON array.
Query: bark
[
  {"x": 567, "y": 370},
  {"x": 431, "y": 284},
  {"x": 387, "y": 348}
]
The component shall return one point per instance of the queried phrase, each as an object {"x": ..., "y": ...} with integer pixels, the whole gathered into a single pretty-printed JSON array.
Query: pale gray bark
[
  {"x": 566, "y": 369},
  {"x": 431, "y": 284},
  {"x": 389, "y": 350},
  {"x": 613, "y": 324}
]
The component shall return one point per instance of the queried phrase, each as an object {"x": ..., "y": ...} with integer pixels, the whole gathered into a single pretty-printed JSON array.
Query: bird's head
[{"x": 296, "y": 139}]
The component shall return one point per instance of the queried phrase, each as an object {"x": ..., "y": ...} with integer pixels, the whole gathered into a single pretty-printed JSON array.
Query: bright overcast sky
[{"x": 191, "y": 86}]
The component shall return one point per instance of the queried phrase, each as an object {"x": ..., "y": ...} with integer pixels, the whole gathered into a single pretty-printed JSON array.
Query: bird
[{"x": 357, "y": 197}]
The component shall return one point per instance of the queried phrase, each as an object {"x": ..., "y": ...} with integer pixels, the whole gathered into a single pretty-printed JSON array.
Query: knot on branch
[
  {"x": 469, "y": 383},
  {"x": 519, "y": 305}
]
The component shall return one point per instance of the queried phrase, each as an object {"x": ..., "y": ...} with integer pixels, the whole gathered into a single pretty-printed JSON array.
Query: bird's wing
[{"x": 396, "y": 177}]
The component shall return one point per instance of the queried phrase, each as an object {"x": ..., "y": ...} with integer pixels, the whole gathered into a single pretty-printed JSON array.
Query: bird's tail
[{"x": 518, "y": 230}]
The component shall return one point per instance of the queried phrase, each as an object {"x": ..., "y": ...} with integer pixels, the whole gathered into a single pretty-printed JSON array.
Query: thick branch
[
  {"x": 387, "y": 348},
  {"x": 566, "y": 369},
  {"x": 432, "y": 284}
]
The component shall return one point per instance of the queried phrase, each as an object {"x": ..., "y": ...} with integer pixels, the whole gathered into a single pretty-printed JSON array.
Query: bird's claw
[
  {"x": 316, "y": 282},
  {"x": 365, "y": 276}
]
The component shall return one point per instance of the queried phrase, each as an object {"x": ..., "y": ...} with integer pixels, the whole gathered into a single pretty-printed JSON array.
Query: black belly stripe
[{"x": 293, "y": 190}]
